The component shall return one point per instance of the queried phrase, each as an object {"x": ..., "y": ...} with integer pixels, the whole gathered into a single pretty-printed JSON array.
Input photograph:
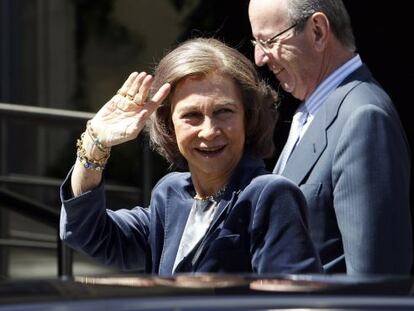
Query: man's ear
[{"x": 320, "y": 28}]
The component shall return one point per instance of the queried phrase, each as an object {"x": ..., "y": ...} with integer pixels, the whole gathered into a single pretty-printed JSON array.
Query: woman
[{"x": 210, "y": 114}]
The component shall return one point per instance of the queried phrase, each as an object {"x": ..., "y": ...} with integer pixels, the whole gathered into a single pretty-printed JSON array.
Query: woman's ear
[{"x": 320, "y": 30}]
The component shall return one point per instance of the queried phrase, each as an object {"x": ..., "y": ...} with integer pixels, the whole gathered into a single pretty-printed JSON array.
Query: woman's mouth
[{"x": 210, "y": 151}]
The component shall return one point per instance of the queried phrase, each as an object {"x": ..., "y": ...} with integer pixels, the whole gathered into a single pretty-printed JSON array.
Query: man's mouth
[{"x": 278, "y": 71}]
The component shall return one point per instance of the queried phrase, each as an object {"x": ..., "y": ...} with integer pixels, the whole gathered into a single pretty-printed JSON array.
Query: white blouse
[{"x": 199, "y": 219}]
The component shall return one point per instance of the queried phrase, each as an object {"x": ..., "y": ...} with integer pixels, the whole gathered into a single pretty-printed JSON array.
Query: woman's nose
[{"x": 209, "y": 129}]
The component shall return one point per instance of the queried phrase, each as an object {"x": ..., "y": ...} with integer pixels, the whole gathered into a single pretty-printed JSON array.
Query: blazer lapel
[
  {"x": 307, "y": 152},
  {"x": 175, "y": 220},
  {"x": 223, "y": 209},
  {"x": 248, "y": 168},
  {"x": 314, "y": 142}
]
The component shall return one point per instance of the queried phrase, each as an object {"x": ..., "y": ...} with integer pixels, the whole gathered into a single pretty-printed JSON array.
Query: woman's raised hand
[{"x": 123, "y": 117}]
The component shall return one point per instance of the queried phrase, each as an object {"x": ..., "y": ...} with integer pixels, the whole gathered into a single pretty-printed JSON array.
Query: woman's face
[{"x": 208, "y": 119}]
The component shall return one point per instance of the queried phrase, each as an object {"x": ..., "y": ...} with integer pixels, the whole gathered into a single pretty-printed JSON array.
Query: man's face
[{"x": 290, "y": 55}]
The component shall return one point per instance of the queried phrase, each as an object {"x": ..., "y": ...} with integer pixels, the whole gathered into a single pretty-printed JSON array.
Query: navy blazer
[
  {"x": 259, "y": 227},
  {"x": 353, "y": 166}
]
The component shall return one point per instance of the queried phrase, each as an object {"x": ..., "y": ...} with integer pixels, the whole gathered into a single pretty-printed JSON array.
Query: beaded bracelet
[
  {"x": 95, "y": 138},
  {"x": 92, "y": 164}
]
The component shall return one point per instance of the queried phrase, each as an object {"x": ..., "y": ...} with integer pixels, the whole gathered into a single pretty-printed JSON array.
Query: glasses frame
[{"x": 264, "y": 44}]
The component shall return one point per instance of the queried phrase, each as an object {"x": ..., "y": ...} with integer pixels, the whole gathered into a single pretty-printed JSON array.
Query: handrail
[
  {"x": 29, "y": 207},
  {"x": 37, "y": 210},
  {"x": 41, "y": 114},
  {"x": 63, "y": 117},
  {"x": 27, "y": 243},
  {"x": 18, "y": 179}
]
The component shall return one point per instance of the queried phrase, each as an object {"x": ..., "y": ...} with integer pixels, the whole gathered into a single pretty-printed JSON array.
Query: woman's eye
[
  {"x": 224, "y": 111},
  {"x": 191, "y": 115}
]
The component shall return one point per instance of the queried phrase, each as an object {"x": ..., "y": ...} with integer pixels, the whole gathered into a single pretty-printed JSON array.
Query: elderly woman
[{"x": 211, "y": 115}]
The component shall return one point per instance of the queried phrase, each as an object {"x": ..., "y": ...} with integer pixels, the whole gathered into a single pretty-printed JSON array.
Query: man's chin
[{"x": 287, "y": 87}]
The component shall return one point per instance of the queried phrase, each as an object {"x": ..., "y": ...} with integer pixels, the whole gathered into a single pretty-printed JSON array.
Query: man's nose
[{"x": 260, "y": 57}]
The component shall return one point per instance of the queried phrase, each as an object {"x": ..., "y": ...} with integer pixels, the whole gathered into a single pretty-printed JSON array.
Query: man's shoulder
[
  {"x": 362, "y": 89},
  {"x": 358, "y": 93}
]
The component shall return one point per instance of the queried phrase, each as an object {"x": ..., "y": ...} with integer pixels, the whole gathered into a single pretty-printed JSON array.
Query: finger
[
  {"x": 125, "y": 87},
  {"x": 136, "y": 84},
  {"x": 150, "y": 107},
  {"x": 159, "y": 97},
  {"x": 142, "y": 95}
]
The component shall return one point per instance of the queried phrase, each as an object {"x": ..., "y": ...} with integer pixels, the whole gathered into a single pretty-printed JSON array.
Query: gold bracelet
[
  {"x": 95, "y": 138},
  {"x": 97, "y": 165}
]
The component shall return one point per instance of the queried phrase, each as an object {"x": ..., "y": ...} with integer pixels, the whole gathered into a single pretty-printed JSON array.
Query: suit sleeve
[
  {"x": 280, "y": 240},
  {"x": 117, "y": 238},
  {"x": 371, "y": 173}
]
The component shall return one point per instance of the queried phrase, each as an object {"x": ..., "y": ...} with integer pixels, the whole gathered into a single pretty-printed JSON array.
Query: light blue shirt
[{"x": 321, "y": 93}]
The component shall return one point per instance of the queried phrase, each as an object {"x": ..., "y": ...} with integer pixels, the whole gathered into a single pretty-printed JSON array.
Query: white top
[{"x": 199, "y": 219}]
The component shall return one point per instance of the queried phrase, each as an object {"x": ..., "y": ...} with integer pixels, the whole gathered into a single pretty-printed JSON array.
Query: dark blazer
[
  {"x": 259, "y": 227},
  {"x": 353, "y": 165}
]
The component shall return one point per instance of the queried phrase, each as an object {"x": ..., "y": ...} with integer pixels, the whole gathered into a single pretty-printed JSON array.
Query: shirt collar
[{"x": 324, "y": 89}]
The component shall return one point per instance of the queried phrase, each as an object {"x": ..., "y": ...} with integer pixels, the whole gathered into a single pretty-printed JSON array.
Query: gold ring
[{"x": 130, "y": 97}]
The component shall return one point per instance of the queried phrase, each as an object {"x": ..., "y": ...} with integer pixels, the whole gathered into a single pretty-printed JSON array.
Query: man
[{"x": 346, "y": 150}]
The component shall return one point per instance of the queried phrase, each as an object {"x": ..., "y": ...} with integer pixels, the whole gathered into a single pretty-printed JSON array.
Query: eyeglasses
[{"x": 267, "y": 45}]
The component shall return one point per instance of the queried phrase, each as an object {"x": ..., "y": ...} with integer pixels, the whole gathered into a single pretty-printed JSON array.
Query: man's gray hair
[{"x": 340, "y": 22}]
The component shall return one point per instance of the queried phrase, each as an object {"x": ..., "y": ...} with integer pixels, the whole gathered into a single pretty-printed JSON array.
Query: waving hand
[{"x": 123, "y": 117}]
